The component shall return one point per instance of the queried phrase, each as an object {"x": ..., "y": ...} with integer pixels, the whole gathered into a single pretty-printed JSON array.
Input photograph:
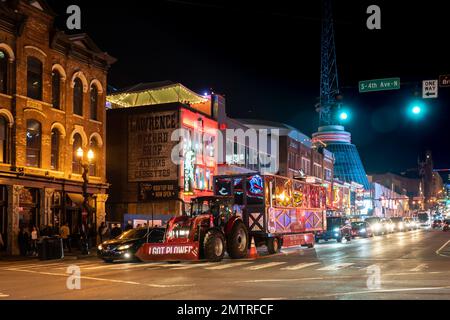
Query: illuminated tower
[{"x": 348, "y": 166}]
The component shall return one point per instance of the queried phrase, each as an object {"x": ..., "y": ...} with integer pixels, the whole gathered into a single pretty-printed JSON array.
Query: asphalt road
[{"x": 410, "y": 265}]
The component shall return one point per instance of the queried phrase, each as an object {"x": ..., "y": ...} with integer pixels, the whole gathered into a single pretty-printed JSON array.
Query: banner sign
[
  {"x": 164, "y": 190},
  {"x": 168, "y": 251}
]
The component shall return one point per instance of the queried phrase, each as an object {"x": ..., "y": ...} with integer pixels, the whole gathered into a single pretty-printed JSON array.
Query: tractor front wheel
[
  {"x": 237, "y": 241},
  {"x": 214, "y": 246}
]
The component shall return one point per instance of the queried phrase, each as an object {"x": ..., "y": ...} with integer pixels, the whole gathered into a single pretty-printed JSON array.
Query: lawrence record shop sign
[{"x": 150, "y": 147}]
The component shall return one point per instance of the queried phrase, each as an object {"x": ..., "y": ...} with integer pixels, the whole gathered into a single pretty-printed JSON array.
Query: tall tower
[{"x": 348, "y": 166}]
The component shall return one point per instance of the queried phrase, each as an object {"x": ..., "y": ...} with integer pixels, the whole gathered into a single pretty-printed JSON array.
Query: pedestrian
[
  {"x": 64, "y": 232},
  {"x": 2, "y": 244},
  {"x": 92, "y": 236},
  {"x": 83, "y": 239},
  {"x": 34, "y": 239},
  {"x": 129, "y": 226},
  {"x": 22, "y": 239},
  {"x": 116, "y": 231},
  {"x": 102, "y": 231}
]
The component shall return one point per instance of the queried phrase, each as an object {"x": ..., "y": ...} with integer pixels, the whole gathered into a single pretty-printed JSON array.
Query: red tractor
[{"x": 204, "y": 232}]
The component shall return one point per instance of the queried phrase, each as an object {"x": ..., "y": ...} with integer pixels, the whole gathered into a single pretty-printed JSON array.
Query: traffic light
[{"x": 416, "y": 109}]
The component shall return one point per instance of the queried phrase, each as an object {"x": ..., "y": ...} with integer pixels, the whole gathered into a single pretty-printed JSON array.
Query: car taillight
[{"x": 211, "y": 221}]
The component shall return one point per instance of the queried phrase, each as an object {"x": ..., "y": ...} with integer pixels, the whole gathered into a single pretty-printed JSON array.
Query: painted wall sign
[{"x": 150, "y": 147}]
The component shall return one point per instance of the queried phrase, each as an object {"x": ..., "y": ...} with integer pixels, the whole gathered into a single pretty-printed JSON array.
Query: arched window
[
  {"x": 54, "y": 158},
  {"x": 93, "y": 166},
  {"x": 77, "y": 143},
  {"x": 34, "y": 78},
  {"x": 3, "y": 140},
  {"x": 3, "y": 72},
  {"x": 56, "y": 90},
  {"x": 94, "y": 102},
  {"x": 78, "y": 97},
  {"x": 33, "y": 143}
]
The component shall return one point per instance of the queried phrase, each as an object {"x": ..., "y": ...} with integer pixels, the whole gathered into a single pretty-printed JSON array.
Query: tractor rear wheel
[
  {"x": 214, "y": 246},
  {"x": 237, "y": 241},
  {"x": 273, "y": 245}
]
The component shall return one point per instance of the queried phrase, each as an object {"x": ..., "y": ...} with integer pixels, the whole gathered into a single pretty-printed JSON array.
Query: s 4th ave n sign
[{"x": 379, "y": 85}]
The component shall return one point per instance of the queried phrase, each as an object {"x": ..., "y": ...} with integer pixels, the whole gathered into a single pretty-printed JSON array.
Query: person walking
[
  {"x": 2, "y": 244},
  {"x": 129, "y": 226},
  {"x": 34, "y": 239},
  {"x": 22, "y": 239},
  {"x": 64, "y": 232},
  {"x": 102, "y": 231},
  {"x": 84, "y": 239},
  {"x": 116, "y": 231}
]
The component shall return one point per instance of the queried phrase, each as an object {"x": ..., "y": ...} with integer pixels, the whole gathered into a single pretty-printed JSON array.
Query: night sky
[{"x": 265, "y": 59}]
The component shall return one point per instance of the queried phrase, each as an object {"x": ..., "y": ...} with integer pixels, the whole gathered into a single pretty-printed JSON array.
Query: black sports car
[{"x": 125, "y": 246}]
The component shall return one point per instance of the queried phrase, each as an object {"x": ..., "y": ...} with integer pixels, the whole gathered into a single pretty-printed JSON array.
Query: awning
[{"x": 76, "y": 198}]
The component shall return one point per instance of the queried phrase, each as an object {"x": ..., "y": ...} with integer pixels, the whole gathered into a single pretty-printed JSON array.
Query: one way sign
[{"x": 430, "y": 89}]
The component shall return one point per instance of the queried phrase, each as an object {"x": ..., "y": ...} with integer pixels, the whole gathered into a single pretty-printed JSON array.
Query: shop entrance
[
  {"x": 4, "y": 216},
  {"x": 29, "y": 216}
]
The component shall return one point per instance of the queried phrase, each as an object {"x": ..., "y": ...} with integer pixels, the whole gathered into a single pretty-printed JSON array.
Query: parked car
[
  {"x": 399, "y": 224},
  {"x": 125, "y": 246},
  {"x": 361, "y": 229},
  {"x": 376, "y": 225},
  {"x": 437, "y": 224},
  {"x": 337, "y": 229}
]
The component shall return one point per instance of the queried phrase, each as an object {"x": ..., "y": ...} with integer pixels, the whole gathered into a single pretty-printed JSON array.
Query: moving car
[
  {"x": 437, "y": 224},
  {"x": 376, "y": 226},
  {"x": 399, "y": 224},
  {"x": 446, "y": 225},
  {"x": 424, "y": 219},
  {"x": 388, "y": 225},
  {"x": 337, "y": 229},
  {"x": 410, "y": 224},
  {"x": 125, "y": 246},
  {"x": 361, "y": 229}
]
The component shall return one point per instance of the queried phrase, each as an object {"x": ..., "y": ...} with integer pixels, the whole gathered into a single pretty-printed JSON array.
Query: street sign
[
  {"x": 444, "y": 80},
  {"x": 379, "y": 85},
  {"x": 430, "y": 89}
]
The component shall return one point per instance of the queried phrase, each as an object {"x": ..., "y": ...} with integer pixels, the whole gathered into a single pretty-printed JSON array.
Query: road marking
[
  {"x": 2, "y": 295},
  {"x": 420, "y": 267},
  {"x": 265, "y": 265},
  {"x": 300, "y": 266},
  {"x": 279, "y": 280},
  {"x": 191, "y": 266},
  {"x": 135, "y": 265},
  {"x": 438, "y": 251},
  {"x": 336, "y": 267},
  {"x": 379, "y": 291},
  {"x": 228, "y": 265},
  {"x": 153, "y": 285}
]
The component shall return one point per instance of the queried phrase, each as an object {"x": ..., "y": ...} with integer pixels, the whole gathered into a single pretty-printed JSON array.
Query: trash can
[
  {"x": 42, "y": 247},
  {"x": 50, "y": 248}
]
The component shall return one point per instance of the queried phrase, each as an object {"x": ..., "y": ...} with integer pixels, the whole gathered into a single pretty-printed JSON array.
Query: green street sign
[{"x": 379, "y": 85}]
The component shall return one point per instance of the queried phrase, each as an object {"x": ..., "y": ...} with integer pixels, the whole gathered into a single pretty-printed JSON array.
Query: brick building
[{"x": 52, "y": 98}]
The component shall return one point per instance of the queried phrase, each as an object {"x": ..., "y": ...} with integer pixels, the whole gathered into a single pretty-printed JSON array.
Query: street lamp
[{"x": 85, "y": 165}]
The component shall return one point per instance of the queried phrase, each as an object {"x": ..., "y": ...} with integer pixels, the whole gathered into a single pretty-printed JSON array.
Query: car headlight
[
  {"x": 336, "y": 229},
  {"x": 363, "y": 230},
  {"x": 401, "y": 225},
  {"x": 377, "y": 226},
  {"x": 100, "y": 247},
  {"x": 125, "y": 246}
]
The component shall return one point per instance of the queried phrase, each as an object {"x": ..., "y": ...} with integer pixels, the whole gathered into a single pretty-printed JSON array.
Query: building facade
[
  {"x": 52, "y": 97},
  {"x": 161, "y": 151}
]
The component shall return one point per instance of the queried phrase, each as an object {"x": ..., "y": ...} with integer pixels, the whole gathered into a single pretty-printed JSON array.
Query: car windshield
[
  {"x": 398, "y": 219},
  {"x": 358, "y": 224},
  {"x": 423, "y": 217},
  {"x": 133, "y": 234},
  {"x": 373, "y": 220}
]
